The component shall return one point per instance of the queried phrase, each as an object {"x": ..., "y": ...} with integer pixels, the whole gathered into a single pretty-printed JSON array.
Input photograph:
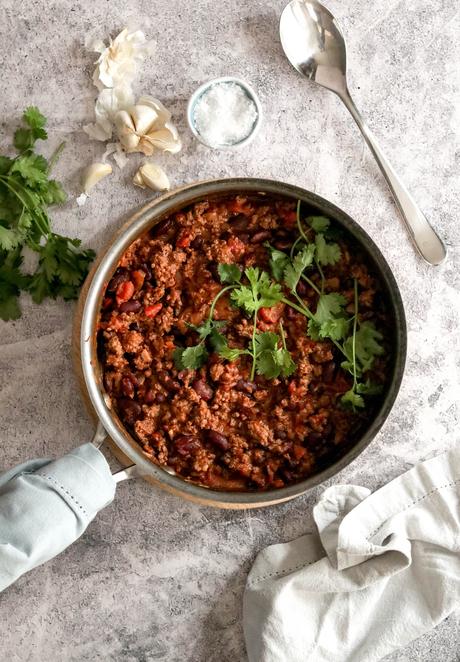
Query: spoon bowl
[{"x": 314, "y": 44}]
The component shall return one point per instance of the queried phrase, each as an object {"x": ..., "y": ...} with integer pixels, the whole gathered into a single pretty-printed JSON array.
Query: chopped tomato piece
[
  {"x": 240, "y": 206},
  {"x": 184, "y": 239},
  {"x": 290, "y": 218},
  {"x": 153, "y": 310},
  {"x": 138, "y": 278},
  {"x": 125, "y": 291},
  {"x": 271, "y": 315},
  {"x": 299, "y": 451}
]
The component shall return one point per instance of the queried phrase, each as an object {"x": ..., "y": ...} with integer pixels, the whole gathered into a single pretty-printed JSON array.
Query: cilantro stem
[
  {"x": 253, "y": 351},
  {"x": 321, "y": 273},
  {"x": 300, "y": 227},
  {"x": 216, "y": 299},
  {"x": 55, "y": 156},
  {"x": 311, "y": 283},
  {"x": 283, "y": 337},
  {"x": 43, "y": 227},
  {"x": 291, "y": 253},
  {"x": 300, "y": 309},
  {"x": 355, "y": 323}
]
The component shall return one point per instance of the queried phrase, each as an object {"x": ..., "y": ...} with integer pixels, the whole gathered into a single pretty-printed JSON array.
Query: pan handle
[{"x": 133, "y": 471}]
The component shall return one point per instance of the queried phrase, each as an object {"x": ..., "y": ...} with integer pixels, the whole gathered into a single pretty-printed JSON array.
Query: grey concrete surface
[{"x": 155, "y": 578}]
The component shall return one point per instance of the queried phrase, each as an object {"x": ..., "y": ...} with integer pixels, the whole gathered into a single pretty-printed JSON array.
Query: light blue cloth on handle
[{"x": 47, "y": 504}]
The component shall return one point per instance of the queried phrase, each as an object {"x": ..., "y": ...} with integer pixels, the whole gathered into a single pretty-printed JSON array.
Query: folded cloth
[
  {"x": 45, "y": 505},
  {"x": 383, "y": 569}
]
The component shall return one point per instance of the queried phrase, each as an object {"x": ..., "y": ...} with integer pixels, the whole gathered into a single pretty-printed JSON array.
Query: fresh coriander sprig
[
  {"x": 360, "y": 349},
  {"x": 26, "y": 190}
]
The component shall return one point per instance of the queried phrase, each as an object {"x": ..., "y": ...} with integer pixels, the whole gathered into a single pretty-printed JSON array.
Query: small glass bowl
[{"x": 204, "y": 88}]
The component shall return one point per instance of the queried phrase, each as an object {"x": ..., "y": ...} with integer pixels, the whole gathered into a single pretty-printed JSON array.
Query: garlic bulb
[
  {"x": 145, "y": 126},
  {"x": 93, "y": 174},
  {"x": 152, "y": 176}
]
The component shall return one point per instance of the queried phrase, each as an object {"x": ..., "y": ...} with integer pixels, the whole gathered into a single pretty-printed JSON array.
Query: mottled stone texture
[{"x": 155, "y": 578}]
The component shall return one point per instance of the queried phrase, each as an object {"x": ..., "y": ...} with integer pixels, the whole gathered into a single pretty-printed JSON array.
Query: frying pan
[{"x": 88, "y": 369}]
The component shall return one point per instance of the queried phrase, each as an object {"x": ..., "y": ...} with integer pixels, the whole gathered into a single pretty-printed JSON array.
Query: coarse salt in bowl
[{"x": 224, "y": 113}]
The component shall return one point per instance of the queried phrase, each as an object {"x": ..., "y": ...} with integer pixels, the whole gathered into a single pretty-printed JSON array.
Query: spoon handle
[{"x": 429, "y": 245}]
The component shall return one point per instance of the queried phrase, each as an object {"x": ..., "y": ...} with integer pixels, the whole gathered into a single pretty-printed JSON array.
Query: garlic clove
[
  {"x": 123, "y": 120},
  {"x": 166, "y": 139},
  {"x": 151, "y": 175},
  {"x": 163, "y": 113},
  {"x": 93, "y": 174},
  {"x": 143, "y": 117}
]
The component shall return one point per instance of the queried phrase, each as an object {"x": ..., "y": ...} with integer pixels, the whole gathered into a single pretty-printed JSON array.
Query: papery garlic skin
[
  {"x": 108, "y": 103},
  {"x": 93, "y": 174},
  {"x": 150, "y": 175},
  {"x": 117, "y": 64},
  {"x": 146, "y": 126}
]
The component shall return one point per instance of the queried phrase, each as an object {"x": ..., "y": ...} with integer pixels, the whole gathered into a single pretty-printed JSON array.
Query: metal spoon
[{"x": 315, "y": 46}]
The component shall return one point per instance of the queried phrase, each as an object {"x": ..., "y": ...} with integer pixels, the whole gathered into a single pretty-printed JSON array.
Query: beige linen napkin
[{"x": 382, "y": 569}]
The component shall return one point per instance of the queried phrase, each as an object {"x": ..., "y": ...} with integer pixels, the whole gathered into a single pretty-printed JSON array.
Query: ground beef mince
[{"x": 214, "y": 426}]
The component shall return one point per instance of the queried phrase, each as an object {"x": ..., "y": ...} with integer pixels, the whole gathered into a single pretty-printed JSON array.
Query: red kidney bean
[
  {"x": 217, "y": 439},
  {"x": 244, "y": 238},
  {"x": 130, "y": 306},
  {"x": 186, "y": 444},
  {"x": 259, "y": 237},
  {"x": 247, "y": 387},
  {"x": 282, "y": 244},
  {"x": 203, "y": 389},
  {"x": 197, "y": 242},
  {"x": 131, "y": 410},
  {"x": 301, "y": 288},
  {"x": 314, "y": 437},
  {"x": 120, "y": 276},
  {"x": 328, "y": 372},
  {"x": 239, "y": 222},
  {"x": 159, "y": 398},
  {"x": 162, "y": 227},
  {"x": 149, "y": 397},
  {"x": 127, "y": 387},
  {"x": 146, "y": 269}
]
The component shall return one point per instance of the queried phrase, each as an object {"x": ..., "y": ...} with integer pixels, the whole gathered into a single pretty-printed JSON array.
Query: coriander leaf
[
  {"x": 243, "y": 298},
  {"x": 273, "y": 363},
  {"x": 262, "y": 293},
  {"x": 335, "y": 328},
  {"x": 218, "y": 340},
  {"x": 329, "y": 305},
  {"x": 190, "y": 358},
  {"x": 33, "y": 117},
  {"x": 5, "y": 164},
  {"x": 40, "y": 287},
  {"x": 9, "y": 308},
  {"x": 32, "y": 168},
  {"x": 266, "y": 341},
  {"x": 369, "y": 388},
  {"x": 301, "y": 261},
  {"x": 326, "y": 253},
  {"x": 53, "y": 193},
  {"x": 23, "y": 139},
  {"x": 278, "y": 262},
  {"x": 367, "y": 347},
  {"x": 229, "y": 273},
  {"x": 314, "y": 329},
  {"x": 205, "y": 329},
  {"x": 231, "y": 353},
  {"x": 352, "y": 399},
  {"x": 9, "y": 238},
  {"x": 318, "y": 223}
]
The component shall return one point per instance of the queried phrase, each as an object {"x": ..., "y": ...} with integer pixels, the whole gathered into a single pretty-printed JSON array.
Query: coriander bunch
[{"x": 26, "y": 191}]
